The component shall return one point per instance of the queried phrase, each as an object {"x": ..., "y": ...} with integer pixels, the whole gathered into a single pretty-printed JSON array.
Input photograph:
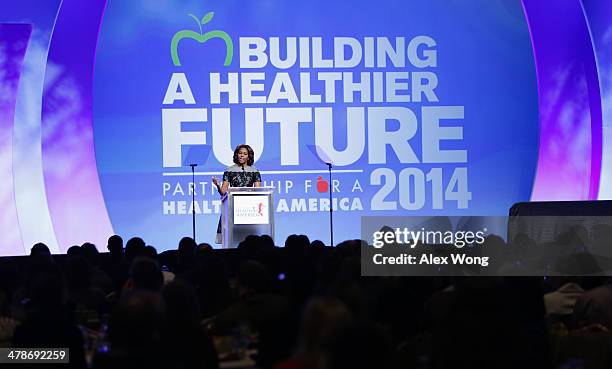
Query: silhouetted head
[
  {"x": 266, "y": 241},
  {"x": 295, "y": 246},
  {"x": 137, "y": 321},
  {"x": 317, "y": 244},
  {"x": 146, "y": 275},
  {"x": 90, "y": 251},
  {"x": 253, "y": 278},
  {"x": 186, "y": 253},
  {"x": 304, "y": 239},
  {"x": 150, "y": 252},
  {"x": 252, "y": 240},
  {"x": 323, "y": 320},
  {"x": 249, "y": 247},
  {"x": 74, "y": 251},
  {"x": 315, "y": 251},
  {"x": 187, "y": 246},
  {"x": 134, "y": 248},
  {"x": 204, "y": 247},
  {"x": 78, "y": 272},
  {"x": 181, "y": 303},
  {"x": 40, "y": 249},
  {"x": 115, "y": 245}
]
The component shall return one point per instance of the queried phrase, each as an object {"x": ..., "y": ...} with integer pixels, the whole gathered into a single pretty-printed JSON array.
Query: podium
[{"x": 246, "y": 211}]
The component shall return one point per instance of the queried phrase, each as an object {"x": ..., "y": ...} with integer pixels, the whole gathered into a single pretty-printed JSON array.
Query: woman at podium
[{"x": 241, "y": 174}]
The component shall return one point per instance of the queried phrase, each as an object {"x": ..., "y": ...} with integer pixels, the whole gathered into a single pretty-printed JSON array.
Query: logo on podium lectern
[{"x": 251, "y": 209}]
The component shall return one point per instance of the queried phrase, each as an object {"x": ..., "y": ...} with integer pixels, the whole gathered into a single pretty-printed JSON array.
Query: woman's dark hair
[{"x": 248, "y": 148}]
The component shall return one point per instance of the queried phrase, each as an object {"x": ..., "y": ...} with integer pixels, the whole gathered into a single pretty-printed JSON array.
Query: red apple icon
[{"x": 322, "y": 185}]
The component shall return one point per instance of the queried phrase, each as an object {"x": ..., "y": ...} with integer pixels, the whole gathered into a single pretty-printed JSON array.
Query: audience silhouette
[{"x": 304, "y": 305}]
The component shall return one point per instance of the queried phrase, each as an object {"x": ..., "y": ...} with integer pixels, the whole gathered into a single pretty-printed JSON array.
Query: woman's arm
[
  {"x": 257, "y": 182},
  {"x": 222, "y": 189}
]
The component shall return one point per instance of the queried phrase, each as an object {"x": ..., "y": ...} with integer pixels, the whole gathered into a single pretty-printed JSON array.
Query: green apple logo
[{"x": 202, "y": 38}]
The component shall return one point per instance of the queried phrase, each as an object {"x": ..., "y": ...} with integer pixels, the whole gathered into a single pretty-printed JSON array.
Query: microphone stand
[
  {"x": 331, "y": 208},
  {"x": 193, "y": 215}
]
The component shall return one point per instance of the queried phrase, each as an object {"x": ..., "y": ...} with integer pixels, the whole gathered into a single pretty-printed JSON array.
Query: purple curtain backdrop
[
  {"x": 14, "y": 39},
  {"x": 569, "y": 162},
  {"x": 599, "y": 16},
  {"x": 74, "y": 196}
]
